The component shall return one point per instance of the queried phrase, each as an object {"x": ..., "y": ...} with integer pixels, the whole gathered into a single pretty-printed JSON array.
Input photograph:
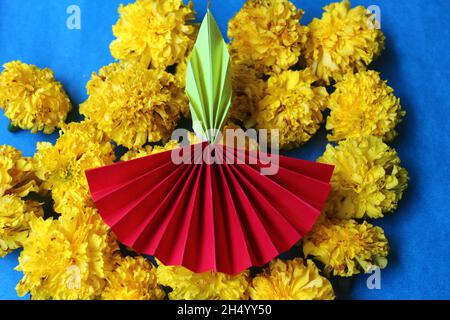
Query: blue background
[{"x": 416, "y": 63}]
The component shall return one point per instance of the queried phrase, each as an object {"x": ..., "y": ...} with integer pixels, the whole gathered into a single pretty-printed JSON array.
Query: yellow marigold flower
[
  {"x": 134, "y": 105},
  {"x": 267, "y": 35},
  {"x": 291, "y": 280},
  {"x": 362, "y": 105},
  {"x": 16, "y": 173},
  {"x": 31, "y": 97},
  {"x": 187, "y": 285},
  {"x": 149, "y": 150},
  {"x": 17, "y": 180},
  {"x": 15, "y": 216},
  {"x": 156, "y": 33},
  {"x": 292, "y": 105},
  {"x": 62, "y": 166},
  {"x": 133, "y": 279},
  {"x": 248, "y": 90},
  {"x": 67, "y": 259},
  {"x": 181, "y": 75},
  {"x": 343, "y": 40},
  {"x": 181, "y": 72},
  {"x": 368, "y": 180},
  {"x": 238, "y": 138},
  {"x": 344, "y": 246}
]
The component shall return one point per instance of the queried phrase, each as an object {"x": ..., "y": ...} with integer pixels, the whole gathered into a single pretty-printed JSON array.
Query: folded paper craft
[{"x": 219, "y": 213}]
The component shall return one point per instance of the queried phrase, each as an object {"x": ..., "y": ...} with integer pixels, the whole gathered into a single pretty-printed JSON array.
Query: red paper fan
[{"x": 221, "y": 217}]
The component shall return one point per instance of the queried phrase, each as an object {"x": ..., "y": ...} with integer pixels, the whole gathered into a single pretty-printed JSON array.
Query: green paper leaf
[{"x": 208, "y": 83}]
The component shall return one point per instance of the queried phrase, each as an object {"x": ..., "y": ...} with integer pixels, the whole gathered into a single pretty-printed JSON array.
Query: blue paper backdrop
[{"x": 416, "y": 63}]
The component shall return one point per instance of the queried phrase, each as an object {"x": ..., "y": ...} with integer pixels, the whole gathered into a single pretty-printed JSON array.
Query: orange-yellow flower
[
  {"x": 156, "y": 33},
  {"x": 346, "y": 246},
  {"x": 291, "y": 280},
  {"x": 134, "y": 105},
  {"x": 343, "y": 41},
  {"x": 31, "y": 97},
  {"x": 267, "y": 35},
  {"x": 293, "y": 105}
]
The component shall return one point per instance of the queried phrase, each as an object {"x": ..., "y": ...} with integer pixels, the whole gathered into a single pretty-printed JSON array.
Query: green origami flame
[{"x": 208, "y": 83}]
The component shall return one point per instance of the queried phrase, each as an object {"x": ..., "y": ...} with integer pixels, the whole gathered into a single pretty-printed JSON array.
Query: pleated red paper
[{"x": 221, "y": 217}]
